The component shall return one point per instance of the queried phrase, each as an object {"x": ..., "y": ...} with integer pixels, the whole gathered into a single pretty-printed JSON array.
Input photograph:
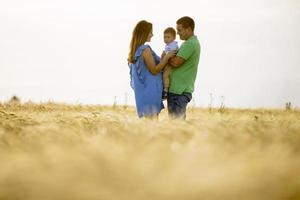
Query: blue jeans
[{"x": 177, "y": 104}]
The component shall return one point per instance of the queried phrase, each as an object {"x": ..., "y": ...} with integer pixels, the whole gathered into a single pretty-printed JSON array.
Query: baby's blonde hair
[{"x": 171, "y": 31}]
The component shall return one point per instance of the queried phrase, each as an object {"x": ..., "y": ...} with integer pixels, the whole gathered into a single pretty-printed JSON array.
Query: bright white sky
[{"x": 75, "y": 51}]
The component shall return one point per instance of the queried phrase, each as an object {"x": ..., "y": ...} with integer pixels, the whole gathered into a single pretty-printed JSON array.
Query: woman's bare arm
[{"x": 150, "y": 63}]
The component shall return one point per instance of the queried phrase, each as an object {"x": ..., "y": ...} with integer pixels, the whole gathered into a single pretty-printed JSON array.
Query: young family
[{"x": 171, "y": 76}]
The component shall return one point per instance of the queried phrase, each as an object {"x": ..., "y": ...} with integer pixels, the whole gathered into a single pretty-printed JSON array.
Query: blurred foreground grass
[{"x": 56, "y": 151}]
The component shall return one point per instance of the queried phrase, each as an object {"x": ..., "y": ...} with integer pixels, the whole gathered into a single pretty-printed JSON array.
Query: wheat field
[{"x": 70, "y": 152}]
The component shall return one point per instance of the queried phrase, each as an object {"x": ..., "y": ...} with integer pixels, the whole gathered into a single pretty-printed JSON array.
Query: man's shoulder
[
  {"x": 194, "y": 43},
  {"x": 188, "y": 45},
  {"x": 193, "y": 40}
]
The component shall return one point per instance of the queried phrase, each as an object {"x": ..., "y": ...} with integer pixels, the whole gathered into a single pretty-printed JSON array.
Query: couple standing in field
[{"x": 171, "y": 76}]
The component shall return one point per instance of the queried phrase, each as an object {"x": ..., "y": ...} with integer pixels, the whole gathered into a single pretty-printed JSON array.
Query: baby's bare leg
[{"x": 166, "y": 74}]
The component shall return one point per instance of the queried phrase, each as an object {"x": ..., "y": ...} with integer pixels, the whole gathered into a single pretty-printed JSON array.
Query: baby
[{"x": 171, "y": 45}]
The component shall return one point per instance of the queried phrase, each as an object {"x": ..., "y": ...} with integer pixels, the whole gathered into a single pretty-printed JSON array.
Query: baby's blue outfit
[
  {"x": 173, "y": 46},
  {"x": 147, "y": 87}
]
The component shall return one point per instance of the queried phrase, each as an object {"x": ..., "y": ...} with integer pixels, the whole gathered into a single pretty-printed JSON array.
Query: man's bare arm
[{"x": 176, "y": 61}]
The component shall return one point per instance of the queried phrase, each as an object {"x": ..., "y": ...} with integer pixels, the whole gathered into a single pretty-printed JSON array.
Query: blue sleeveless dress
[{"x": 147, "y": 87}]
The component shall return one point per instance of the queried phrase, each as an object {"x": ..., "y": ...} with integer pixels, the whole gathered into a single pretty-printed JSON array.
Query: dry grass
[{"x": 55, "y": 151}]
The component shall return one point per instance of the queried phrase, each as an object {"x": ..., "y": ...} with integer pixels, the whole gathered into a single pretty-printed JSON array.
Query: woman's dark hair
[{"x": 139, "y": 36}]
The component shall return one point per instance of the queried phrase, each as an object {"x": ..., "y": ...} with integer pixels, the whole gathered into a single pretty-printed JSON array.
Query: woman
[{"x": 145, "y": 72}]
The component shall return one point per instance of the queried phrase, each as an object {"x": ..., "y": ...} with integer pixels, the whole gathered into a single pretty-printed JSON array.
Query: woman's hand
[
  {"x": 170, "y": 55},
  {"x": 163, "y": 55}
]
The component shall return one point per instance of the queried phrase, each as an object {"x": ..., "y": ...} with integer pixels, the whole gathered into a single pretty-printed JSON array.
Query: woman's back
[{"x": 147, "y": 87}]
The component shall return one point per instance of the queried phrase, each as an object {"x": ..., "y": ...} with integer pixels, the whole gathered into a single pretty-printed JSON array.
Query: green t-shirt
[{"x": 182, "y": 79}]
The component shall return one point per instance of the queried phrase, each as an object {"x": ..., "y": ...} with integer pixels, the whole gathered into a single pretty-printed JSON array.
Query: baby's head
[{"x": 169, "y": 35}]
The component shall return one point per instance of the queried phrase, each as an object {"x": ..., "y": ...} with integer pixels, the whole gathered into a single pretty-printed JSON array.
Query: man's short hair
[
  {"x": 171, "y": 31},
  {"x": 186, "y": 22}
]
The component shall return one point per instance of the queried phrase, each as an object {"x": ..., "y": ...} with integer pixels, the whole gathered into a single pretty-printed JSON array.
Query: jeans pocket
[{"x": 188, "y": 96}]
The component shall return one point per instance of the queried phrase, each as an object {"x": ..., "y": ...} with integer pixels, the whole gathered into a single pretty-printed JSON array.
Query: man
[{"x": 184, "y": 69}]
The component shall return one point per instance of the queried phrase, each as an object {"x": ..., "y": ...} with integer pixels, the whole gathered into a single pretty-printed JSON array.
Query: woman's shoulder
[
  {"x": 145, "y": 48},
  {"x": 142, "y": 47}
]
